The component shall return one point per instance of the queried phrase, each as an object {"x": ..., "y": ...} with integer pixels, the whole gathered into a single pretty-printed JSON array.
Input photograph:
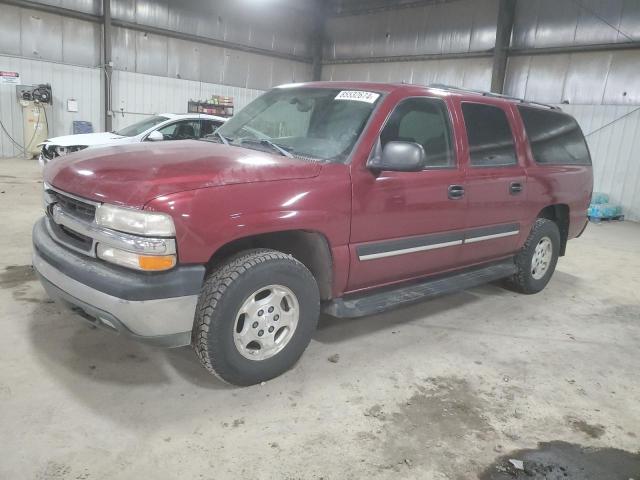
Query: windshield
[
  {"x": 318, "y": 123},
  {"x": 139, "y": 127}
]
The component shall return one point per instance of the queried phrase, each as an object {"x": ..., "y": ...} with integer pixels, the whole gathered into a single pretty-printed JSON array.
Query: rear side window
[
  {"x": 490, "y": 139},
  {"x": 555, "y": 137},
  {"x": 423, "y": 121}
]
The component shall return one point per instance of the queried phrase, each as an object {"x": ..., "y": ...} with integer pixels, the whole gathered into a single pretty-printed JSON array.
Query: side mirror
[
  {"x": 155, "y": 136},
  {"x": 399, "y": 157}
]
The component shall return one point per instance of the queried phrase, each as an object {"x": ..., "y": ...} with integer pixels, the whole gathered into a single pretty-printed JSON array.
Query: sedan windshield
[
  {"x": 317, "y": 123},
  {"x": 139, "y": 127}
]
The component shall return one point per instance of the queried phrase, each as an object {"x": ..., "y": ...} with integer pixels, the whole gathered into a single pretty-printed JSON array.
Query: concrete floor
[{"x": 447, "y": 389}]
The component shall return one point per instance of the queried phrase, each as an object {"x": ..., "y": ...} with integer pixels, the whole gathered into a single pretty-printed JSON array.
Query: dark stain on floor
[
  {"x": 565, "y": 461},
  {"x": 579, "y": 425},
  {"x": 17, "y": 278},
  {"x": 16, "y": 275},
  {"x": 436, "y": 419}
]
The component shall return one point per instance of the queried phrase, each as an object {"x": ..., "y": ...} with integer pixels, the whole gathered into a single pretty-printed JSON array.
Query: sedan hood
[
  {"x": 89, "y": 139},
  {"x": 134, "y": 174}
]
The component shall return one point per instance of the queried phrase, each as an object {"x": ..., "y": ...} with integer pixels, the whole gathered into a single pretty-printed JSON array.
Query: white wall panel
[
  {"x": 67, "y": 81},
  {"x": 137, "y": 95},
  {"x": 615, "y": 150}
]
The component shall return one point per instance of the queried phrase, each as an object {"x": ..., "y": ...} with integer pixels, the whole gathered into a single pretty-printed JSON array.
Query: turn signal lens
[
  {"x": 148, "y": 263},
  {"x": 156, "y": 262}
]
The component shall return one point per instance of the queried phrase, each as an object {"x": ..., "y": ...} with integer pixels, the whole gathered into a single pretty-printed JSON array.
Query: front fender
[{"x": 206, "y": 219}]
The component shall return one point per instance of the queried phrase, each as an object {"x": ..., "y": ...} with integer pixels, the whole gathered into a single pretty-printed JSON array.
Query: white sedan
[{"x": 166, "y": 126}]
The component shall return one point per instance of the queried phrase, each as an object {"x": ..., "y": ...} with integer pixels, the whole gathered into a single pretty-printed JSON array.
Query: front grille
[
  {"x": 69, "y": 237},
  {"x": 72, "y": 206}
]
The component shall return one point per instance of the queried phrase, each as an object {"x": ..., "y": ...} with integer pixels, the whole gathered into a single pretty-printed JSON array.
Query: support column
[
  {"x": 317, "y": 43},
  {"x": 108, "y": 64},
  {"x": 506, "y": 14}
]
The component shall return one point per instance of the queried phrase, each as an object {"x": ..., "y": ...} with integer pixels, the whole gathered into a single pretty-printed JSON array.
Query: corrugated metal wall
[
  {"x": 454, "y": 27},
  {"x": 67, "y": 81},
  {"x": 608, "y": 78},
  {"x": 44, "y": 36},
  {"x": 136, "y": 95},
  {"x": 169, "y": 57},
  {"x": 613, "y": 134},
  {"x": 471, "y": 73},
  {"x": 553, "y": 23},
  {"x": 278, "y": 26},
  {"x": 49, "y": 48}
]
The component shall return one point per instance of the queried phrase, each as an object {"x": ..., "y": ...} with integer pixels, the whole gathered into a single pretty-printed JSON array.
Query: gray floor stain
[
  {"x": 16, "y": 275},
  {"x": 439, "y": 415},
  {"x": 566, "y": 461},
  {"x": 579, "y": 425}
]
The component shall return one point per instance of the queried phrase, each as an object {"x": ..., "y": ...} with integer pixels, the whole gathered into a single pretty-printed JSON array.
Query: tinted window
[
  {"x": 490, "y": 139},
  {"x": 181, "y": 130},
  {"x": 141, "y": 126},
  {"x": 424, "y": 121},
  {"x": 555, "y": 137},
  {"x": 209, "y": 126}
]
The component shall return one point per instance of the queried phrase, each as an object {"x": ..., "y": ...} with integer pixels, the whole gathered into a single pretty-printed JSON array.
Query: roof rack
[{"x": 491, "y": 94}]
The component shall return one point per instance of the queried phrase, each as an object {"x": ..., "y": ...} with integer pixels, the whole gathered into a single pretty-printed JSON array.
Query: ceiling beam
[
  {"x": 410, "y": 58},
  {"x": 364, "y": 7},
  {"x": 597, "y": 47}
]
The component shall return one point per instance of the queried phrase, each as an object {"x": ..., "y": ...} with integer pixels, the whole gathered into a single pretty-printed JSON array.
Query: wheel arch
[
  {"x": 311, "y": 248},
  {"x": 559, "y": 214}
]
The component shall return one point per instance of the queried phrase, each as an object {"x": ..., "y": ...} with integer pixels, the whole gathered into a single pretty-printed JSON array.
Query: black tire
[
  {"x": 225, "y": 290},
  {"x": 523, "y": 281}
]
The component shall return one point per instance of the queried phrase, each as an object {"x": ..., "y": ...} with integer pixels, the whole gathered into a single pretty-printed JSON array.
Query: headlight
[
  {"x": 133, "y": 221},
  {"x": 61, "y": 151},
  {"x": 148, "y": 263}
]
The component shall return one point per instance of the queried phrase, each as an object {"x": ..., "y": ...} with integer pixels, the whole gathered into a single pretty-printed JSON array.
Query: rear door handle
[
  {"x": 456, "y": 192},
  {"x": 515, "y": 188}
]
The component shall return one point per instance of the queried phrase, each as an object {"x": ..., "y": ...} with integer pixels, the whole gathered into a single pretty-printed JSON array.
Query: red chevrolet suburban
[{"x": 343, "y": 197}]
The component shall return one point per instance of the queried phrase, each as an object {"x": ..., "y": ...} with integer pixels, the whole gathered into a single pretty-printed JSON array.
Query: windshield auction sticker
[{"x": 357, "y": 96}]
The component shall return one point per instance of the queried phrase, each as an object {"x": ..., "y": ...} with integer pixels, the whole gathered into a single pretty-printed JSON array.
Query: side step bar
[{"x": 381, "y": 300}]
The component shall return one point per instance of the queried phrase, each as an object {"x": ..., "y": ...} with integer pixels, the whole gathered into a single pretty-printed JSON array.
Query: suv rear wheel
[
  {"x": 537, "y": 260},
  {"x": 255, "y": 316}
]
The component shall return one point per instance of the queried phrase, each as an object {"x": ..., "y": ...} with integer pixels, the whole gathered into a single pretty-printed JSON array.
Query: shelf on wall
[{"x": 216, "y": 105}]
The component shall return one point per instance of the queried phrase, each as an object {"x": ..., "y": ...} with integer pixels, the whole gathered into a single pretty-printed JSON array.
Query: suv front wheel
[
  {"x": 255, "y": 316},
  {"x": 537, "y": 260}
]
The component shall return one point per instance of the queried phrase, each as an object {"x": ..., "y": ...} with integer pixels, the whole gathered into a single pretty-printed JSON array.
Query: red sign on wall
[{"x": 9, "y": 77}]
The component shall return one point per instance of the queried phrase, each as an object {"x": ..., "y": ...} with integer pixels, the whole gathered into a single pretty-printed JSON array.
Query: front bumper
[{"x": 156, "y": 308}]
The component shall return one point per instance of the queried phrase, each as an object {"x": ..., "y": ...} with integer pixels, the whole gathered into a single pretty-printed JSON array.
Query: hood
[
  {"x": 133, "y": 174},
  {"x": 90, "y": 139}
]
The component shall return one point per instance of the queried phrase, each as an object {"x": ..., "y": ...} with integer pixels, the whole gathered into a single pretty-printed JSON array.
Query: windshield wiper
[
  {"x": 221, "y": 137},
  {"x": 268, "y": 143}
]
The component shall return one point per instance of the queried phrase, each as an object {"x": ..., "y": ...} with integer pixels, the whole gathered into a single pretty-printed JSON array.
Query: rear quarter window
[{"x": 555, "y": 137}]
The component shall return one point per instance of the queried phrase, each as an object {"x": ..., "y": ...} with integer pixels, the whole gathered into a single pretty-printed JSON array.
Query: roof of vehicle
[
  {"x": 411, "y": 88},
  {"x": 174, "y": 116}
]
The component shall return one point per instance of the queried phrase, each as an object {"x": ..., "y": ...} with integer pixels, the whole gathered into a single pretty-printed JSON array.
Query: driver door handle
[
  {"x": 515, "y": 188},
  {"x": 455, "y": 192}
]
